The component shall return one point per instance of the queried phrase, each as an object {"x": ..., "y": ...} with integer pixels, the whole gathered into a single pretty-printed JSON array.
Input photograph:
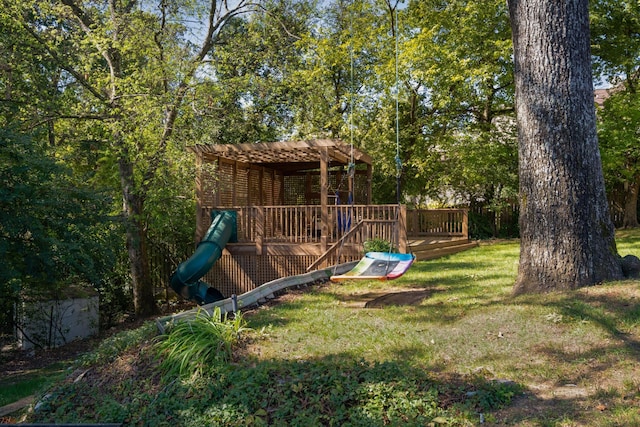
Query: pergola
[
  {"x": 280, "y": 173},
  {"x": 287, "y": 155}
]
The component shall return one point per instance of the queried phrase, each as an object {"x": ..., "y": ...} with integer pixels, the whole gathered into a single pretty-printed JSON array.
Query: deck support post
[
  {"x": 465, "y": 223},
  {"x": 324, "y": 197},
  {"x": 403, "y": 245}
]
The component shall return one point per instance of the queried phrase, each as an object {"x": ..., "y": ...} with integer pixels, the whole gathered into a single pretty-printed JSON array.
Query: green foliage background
[{"x": 287, "y": 69}]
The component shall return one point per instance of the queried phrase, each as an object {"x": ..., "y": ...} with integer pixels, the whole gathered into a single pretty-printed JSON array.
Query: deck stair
[{"x": 426, "y": 249}]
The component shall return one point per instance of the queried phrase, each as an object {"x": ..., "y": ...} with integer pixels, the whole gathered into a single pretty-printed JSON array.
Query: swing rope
[
  {"x": 351, "y": 167},
  {"x": 395, "y": 265},
  {"x": 397, "y": 90},
  {"x": 395, "y": 238},
  {"x": 398, "y": 161},
  {"x": 389, "y": 270}
]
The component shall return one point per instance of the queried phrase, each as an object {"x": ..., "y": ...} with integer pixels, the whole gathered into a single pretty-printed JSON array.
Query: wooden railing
[
  {"x": 307, "y": 224},
  {"x": 438, "y": 222},
  {"x": 304, "y": 224}
]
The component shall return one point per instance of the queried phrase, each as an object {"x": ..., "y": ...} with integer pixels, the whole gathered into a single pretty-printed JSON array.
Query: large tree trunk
[
  {"x": 630, "y": 219},
  {"x": 567, "y": 237},
  {"x": 132, "y": 204}
]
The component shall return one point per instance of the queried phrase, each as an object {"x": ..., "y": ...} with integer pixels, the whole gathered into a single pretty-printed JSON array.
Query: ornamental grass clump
[{"x": 191, "y": 348}]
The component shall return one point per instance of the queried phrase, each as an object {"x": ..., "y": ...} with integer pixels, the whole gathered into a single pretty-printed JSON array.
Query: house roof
[{"x": 287, "y": 155}]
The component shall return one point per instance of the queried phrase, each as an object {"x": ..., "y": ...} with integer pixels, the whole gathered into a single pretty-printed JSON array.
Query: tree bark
[
  {"x": 630, "y": 219},
  {"x": 132, "y": 207},
  {"x": 567, "y": 237}
]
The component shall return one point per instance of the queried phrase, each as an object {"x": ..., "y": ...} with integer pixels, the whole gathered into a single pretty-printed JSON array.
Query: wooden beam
[
  {"x": 337, "y": 155},
  {"x": 335, "y": 246},
  {"x": 287, "y": 152}
]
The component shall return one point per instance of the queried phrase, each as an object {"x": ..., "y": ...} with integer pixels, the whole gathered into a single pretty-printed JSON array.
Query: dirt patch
[
  {"x": 18, "y": 362},
  {"x": 399, "y": 299},
  {"x": 396, "y": 296}
]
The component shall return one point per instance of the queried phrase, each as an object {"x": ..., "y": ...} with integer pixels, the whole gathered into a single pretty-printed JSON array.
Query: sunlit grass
[{"x": 470, "y": 322}]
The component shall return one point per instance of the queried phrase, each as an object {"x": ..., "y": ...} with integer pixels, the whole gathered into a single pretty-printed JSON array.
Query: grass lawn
[
  {"x": 17, "y": 387},
  {"x": 461, "y": 351}
]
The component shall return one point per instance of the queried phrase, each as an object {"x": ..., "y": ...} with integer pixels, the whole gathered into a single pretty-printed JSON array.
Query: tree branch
[
  {"x": 216, "y": 21},
  {"x": 49, "y": 119},
  {"x": 76, "y": 75}
]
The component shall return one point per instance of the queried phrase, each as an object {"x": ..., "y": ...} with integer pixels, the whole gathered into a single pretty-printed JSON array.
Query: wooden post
[
  {"x": 324, "y": 196},
  {"x": 369, "y": 181},
  {"x": 413, "y": 225},
  {"x": 259, "y": 228},
  {"x": 403, "y": 245},
  {"x": 465, "y": 223}
]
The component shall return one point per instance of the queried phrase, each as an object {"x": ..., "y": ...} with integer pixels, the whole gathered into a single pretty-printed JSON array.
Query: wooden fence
[{"x": 437, "y": 222}]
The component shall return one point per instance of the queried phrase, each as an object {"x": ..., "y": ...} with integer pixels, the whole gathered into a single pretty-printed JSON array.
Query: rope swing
[
  {"x": 382, "y": 265},
  {"x": 397, "y": 91}
]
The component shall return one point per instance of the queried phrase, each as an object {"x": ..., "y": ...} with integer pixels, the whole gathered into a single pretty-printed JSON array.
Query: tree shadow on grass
[
  {"x": 596, "y": 370},
  {"x": 331, "y": 390},
  {"x": 529, "y": 410},
  {"x": 341, "y": 390},
  {"x": 608, "y": 308},
  {"x": 613, "y": 312}
]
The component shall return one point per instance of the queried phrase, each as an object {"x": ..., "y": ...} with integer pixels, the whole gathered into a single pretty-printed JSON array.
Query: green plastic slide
[{"x": 186, "y": 279}]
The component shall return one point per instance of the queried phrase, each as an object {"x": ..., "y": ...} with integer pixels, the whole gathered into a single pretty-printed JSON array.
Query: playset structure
[{"x": 272, "y": 210}]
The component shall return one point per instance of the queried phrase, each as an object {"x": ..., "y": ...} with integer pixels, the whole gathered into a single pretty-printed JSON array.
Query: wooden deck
[{"x": 280, "y": 241}]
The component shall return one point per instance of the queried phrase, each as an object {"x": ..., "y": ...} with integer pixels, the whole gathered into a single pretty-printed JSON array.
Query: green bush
[
  {"x": 193, "y": 347},
  {"x": 379, "y": 245}
]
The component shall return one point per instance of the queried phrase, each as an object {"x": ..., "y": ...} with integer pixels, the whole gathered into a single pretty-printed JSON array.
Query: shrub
[
  {"x": 193, "y": 347},
  {"x": 378, "y": 245}
]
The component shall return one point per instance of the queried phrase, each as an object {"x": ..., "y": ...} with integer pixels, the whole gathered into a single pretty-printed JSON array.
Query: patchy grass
[
  {"x": 453, "y": 348},
  {"x": 16, "y": 387}
]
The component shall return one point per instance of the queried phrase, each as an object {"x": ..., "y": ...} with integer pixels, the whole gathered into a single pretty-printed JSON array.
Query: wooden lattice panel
[
  {"x": 241, "y": 187},
  {"x": 267, "y": 188},
  {"x": 238, "y": 274},
  {"x": 207, "y": 189},
  {"x": 278, "y": 184},
  {"x": 254, "y": 187},
  {"x": 226, "y": 184},
  {"x": 360, "y": 189},
  {"x": 294, "y": 190}
]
